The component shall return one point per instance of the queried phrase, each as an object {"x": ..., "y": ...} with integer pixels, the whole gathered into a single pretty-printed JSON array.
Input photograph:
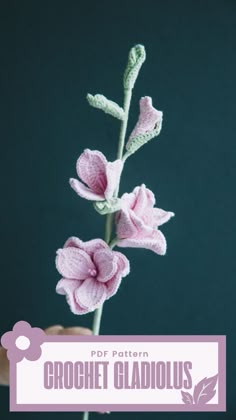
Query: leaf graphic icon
[
  {"x": 186, "y": 397},
  {"x": 204, "y": 390}
]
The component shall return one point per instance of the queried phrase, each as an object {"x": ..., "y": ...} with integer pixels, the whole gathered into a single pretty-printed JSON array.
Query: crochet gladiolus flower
[
  {"x": 138, "y": 221},
  {"x": 102, "y": 177},
  {"x": 149, "y": 119},
  {"x": 91, "y": 272}
]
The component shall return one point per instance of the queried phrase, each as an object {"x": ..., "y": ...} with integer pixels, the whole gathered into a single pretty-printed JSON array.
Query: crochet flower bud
[
  {"x": 137, "y": 56},
  {"x": 148, "y": 126}
]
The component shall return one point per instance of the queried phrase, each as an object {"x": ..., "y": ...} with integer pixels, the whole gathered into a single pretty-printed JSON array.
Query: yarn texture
[
  {"x": 148, "y": 125},
  {"x": 101, "y": 176},
  {"x": 91, "y": 272},
  {"x": 138, "y": 221}
]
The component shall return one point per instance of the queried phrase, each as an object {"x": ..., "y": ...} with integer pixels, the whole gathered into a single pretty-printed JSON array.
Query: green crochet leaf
[
  {"x": 136, "y": 58},
  {"x": 105, "y": 207},
  {"x": 110, "y": 107},
  {"x": 138, "y": 141}
]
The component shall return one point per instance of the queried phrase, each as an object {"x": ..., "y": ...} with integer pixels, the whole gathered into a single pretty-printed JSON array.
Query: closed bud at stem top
[{"x": 137, "y": 56}]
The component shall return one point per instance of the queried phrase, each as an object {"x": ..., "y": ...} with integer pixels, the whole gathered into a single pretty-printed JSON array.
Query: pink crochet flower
[
  {"x": 91, "y": 272},
  {"x": 148, "y": 119},
  {"x": 138, "y": 221},
  {"x": 102, "y": 177}
]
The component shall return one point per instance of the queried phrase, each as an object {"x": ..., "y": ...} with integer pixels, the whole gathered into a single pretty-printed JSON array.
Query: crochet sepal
[
  {"x": 142, "y": 139},
  {"x": 109, "y": 107},
  {"x": 110, "y": 206}
]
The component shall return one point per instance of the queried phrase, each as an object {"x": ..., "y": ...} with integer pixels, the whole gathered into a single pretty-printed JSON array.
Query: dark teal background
[{"x": 52, "y": 54}]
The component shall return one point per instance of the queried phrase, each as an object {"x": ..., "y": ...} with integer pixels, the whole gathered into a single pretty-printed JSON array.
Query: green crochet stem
[
  {"x": 123, "y": 128},
  {"x": 109, "y": 218},
  {"x": 86, "y": 415}
]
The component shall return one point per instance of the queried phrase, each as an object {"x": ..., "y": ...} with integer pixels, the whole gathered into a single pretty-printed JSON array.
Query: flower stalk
[
  {"x": 91, "y": 271},
  {"x": 124, "y": 123},
  {"x": 109, "y": 218}
]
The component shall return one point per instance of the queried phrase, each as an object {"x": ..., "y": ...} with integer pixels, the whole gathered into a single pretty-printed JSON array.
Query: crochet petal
[
  {"x": 145, "y": 199},
  {"x": 106, "y": 264},
  {"x": 156, "y": 243},
  {"x": 113, "y": 172},
  {"x": 67, "y": 287},
  {"x": 161, "y": 216},
  {"x": 142, "y": 226},
  {"x": 90, "y": 246},
  {"x": 123, "y": 270},
  {"x": 73, "y": 263},
  {"x": 84, "y": 191},
  {"x": 123, "y": 263},
  {"x": 128, "y": 200},
  {"x": 126, "y": 227},
  {"x": 148, "y": 118},
  {"x": 91, "y": 168},
  {"x": 90, "y": 294},
  {"x": 113, "y": 284},
  {"x": 74, "y": 242}
]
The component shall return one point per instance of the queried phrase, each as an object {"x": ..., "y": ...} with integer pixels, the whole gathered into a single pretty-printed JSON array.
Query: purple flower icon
[{"x": 23, "y": 341}]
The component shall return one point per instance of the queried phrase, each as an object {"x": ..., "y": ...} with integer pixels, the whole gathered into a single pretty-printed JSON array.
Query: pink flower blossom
[
  {"x": 138, "y": 221},
  {"x": 91, "y": 272},
  {"x": 148, "y": 119},
  {"x": 102, "y": 177}
]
